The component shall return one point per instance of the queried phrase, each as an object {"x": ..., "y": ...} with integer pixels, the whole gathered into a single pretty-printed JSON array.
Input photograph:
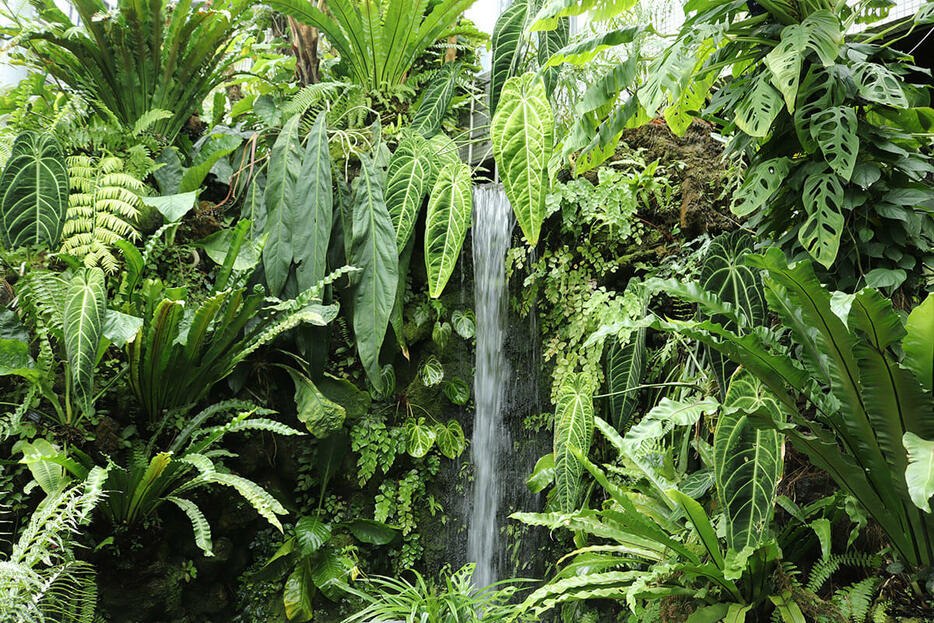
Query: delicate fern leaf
[
  {"x": 260, "y": 499},
  {"x": 85, "y": 308},
  {"x": 148, "y": 118},
  {"x": 574, "y": 424},
  {"x": 198, "y": 522},
  {"x": 34, "y": 188},
  {"x": 436, "y": 101},
  {"x": 446, "y": 224}
]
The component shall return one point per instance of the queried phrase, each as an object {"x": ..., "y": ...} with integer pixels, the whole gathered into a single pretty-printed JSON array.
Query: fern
[
  {"x": 822, "y": 570},
  {"x": 103, "y": 208},
  {"x": 314, "y": 97},
  {"x": 855, "y": 600}
]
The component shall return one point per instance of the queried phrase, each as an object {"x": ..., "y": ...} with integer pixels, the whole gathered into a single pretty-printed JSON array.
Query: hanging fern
[
  {"x": 103, "y": 209},
  {"x": 823, "y": 569}
]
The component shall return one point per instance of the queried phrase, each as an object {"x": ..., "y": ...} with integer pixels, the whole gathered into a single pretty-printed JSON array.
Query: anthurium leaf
[
  {"x": 762, "y": 181},
  {"x": 373, "y": 532},
  {"x": 320, "y": 415},
  {"x": 173, "y": 207},
  {"x": 85, "y": 308},
  {"x": 311, "y": 534},
  {"x": 834, "y": 130},
  {"x": 523, "y": 139},
  {"x": 436, "y": 101},
  {"x": 624, "y": 365},
  {"x": 419, "y": 437},
  {"x": 432, "y": 372},
  {"x": 464, "y": 323},
  {"x": 821, "y": 232},
  {"x": 450, "y": 439},
  {"x": 375, "y": 253},
  {"x": 457, "y": 391},
  {"x": 920, "y": 472},
  {"x": 298, "y": 593},
  {"x": 759, "y": 108},
  {"x": 282, "y": 179},
  {"x": 34, "y": 193},
  {"x": 508, "y": 38},
  {"x": 446, "y": 224},
  {"x": 407, "y": 183},
  {"x": 542, "y": 475},
  {"x": 574, "y": 424},
  {"x": 313, "y": 208},
  {"x": 918, "y": 342},
  {"x": 441, "y": 334}
]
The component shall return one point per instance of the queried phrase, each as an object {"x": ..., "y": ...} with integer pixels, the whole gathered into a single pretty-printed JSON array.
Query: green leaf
[
  {"x": 329, "y": 571},
  {"x": 624, "y": 366},
  {"x": 431, "y": 372},
  {"x": 218, "y": 146},
  {"x": 355, "y": 401},
  {"x": 217, "y": 246},
  {"x": 574, "y": 424},
  {"x": 282, "y": 178},
  {"x": 762, "y": 181},
  {"x": 313, "y": 208},
  {"x": 373, "y": 532},
  {"x": 298, "y": 593},
  {"x": 920, "y": 472},
  {"x": 419, "y": 437},
  {"x": 747, "y": 461},
  {"x": 583, "y": 52},
  {"x": 821, "y": 232},
  {"x": 373, "y": 251},
  {"x": 120, "y": 328},
  {"x": 834, "y": 130},
  {"x": 918, "y": 342},
  {"x": 311, "y": 534},
  {"x": 34, "y": 188},
  {"x": 508, "y": 37},
  {"x": 446, "y": 224},
  {"x": 523, "y": 138},
  {"x": 436, "y": 101},
  {"x": 736, "y": 613},
  {"x": 709, "y": 614},
  {"x": 320, "y": 415},
  {"x": 597, "y": 10},
  {"x": 549, "y": 42},
  {"x": 173, "y": 207},
  {"x": 877, "y": 84},
  {"x": 457, "y": 391},
  {"x": 407, "y": 183},
  {"x": 464, "y": 323},
  {"x": 48, "y": 474},
  {"x": 85, "y": 308},
  {"x": 701, "y": 523},
  {"x": 450, "y": 439},
  {"x": 758, "y": 108},
  {"x": 542, "y": 475},
  {"x": 15, "y": 359},
  {"x": 198, "y": 523},
  {"x": 784, "y": 61},
  {"x": 787, "y": 608}
]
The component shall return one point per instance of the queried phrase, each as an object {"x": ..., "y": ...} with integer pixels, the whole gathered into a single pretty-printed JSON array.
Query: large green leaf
[
  {"x": 821, "y": 232},
  {"x": 758, "y": 108},
  {"x": 920, "y": 472},
  {"x": 762, "y": 181},
  {"x": 407, "y": 182},
  {"x": 372, "y": 531},
  {"x": 834, "y": 130},
  {"x": 446, "y": 224},
  {"x": 582, "y": 52},
  {"x": 313, "y": 209},
  {"x": 419, "y": 437},
  {"x": 508, "y": 39},
  {"x": 549, "y": 42},
  {"x": 596, "y": 9},
  {"x": 436, "y": 101},
  {"x": 282, "y": 179},
  {"x": 523, "y": 139},
  {"x": 34, "y": 188},
  {"x": 624, "y": 366},
  {"x": 298, "y": 593},
  {"x": 85, "y": 308},
  {"x": 918, "y": 343},
  {"x": 747, "y": 461},
  {"x": 311, "y": 534},
  {"x": 877, "y": 84},
  {"x": 319, "y": 414},
  {"x": 574, "y": 424},
  {"x": 375, "y": 253}
]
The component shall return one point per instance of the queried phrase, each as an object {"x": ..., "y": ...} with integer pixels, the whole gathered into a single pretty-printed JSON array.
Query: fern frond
[
  {"x": 198, "y": 523},
  {"x": 313, "y": 96},
  {"x": 260, "y": 499},
  {"x": 855, "y": 600},
  {"x": 822, "y": 570}
]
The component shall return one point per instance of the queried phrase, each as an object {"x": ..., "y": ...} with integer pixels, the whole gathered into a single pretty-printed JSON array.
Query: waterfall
[{"x": 492, "y": 232}]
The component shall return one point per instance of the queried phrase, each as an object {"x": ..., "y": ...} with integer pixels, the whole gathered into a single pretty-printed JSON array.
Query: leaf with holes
[
  {"x": 784, "y": 61},
  {"x": 436, "y": 101},
  {"x": 820, "y": 90},
  {"x": 834, "y": 130},
  {"x": 432, "y": 372},
  {"x": 574, "y": 424},
  {"x": 762, "y": 181},
  {"x": 759, "y": 108},
  {"x": 419, "y": 437},
  {"x": 820, "y": 234},
  {"x": 878, "y": 84},
  {"x": 446, "y": 224},
  {"x": 85, "y": 310},
  {"x": 523, "y": 138},
  {"x": 450, "y": 439},
  {"x": 407, "y": 184},
  {"x": 34, "y": 188},
  {"x": 457, "y": 391},
  {"x": 747, "y": 461}
]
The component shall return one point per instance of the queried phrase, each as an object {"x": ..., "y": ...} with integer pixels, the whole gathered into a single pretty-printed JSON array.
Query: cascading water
[{"x": 492, "y": 229}]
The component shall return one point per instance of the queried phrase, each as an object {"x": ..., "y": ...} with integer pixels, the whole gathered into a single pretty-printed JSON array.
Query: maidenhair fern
[{"x": 103, "y": 209}]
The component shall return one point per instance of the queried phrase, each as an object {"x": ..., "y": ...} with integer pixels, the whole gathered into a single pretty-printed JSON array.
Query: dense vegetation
[{"x": 237, "y": 336}]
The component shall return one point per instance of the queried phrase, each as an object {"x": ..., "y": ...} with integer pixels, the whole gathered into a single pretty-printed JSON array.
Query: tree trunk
[{"x": 305, "y": 48}]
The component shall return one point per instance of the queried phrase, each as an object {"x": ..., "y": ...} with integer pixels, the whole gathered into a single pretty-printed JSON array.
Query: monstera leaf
[
  {"x": 35, "y": 192},
  {"x": 747, "y": 461},
  {"x": 446, "y": 224},
  {"x": 85, "y": 308},
  {"x": 834, "y": 130},
  {"x": 821, "y": 232},
  {"x": 523, "y": 139},
  {"x": 758, "y": 108},
  {"x": 407, "y": 183},
  {"x": 762, "y": 181},
  {"x": 574, "y": 424}
]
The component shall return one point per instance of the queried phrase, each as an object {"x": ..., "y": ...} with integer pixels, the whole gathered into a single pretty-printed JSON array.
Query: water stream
[{"x": 492, "y": 228}]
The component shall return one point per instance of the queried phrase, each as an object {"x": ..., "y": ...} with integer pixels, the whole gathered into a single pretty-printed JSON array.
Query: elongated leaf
[
  {"x": 508, "y": 40},
  {"x": 34, "y": 188},
  {"x": 918, "y": 343},
  {"x": 574, "y": 424},
  {"x": 542, "y": 475},
  {"x": 597, "y": 10},
  {"x": 549, "y": 42},
  {"x": 523, "y": 140},
  {"x": 920, "y": 472},
  {"x": 785, "y": 60},
  {"x": 85, "y": 309},
  {"x": 198, "y": 523},
  {"x": 436, "y": 101},
  {"x": 313, "y": 209},
  {"x": 407, "y": 183},
  {"x": 834, "y": 130},
  {"x": 747, "y": 461},
  {"x": 585, "y": 51},
  {"x": 373, "y": 532},
  {"x": 624, "y": 366},
  {"x": 758, "y": 108},
  {"x": 446, "y": 224},
  {"x": 298, "y": 593},
  {"x": 702, "y": 525},
  {"x": 375, "y": 253},
  {"x": 285, "y": 168},
  {"x": 820, "y": 234},
  {"x": 311, "y": 534}
]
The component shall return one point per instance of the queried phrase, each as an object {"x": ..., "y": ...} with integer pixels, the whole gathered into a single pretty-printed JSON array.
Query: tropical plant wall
[{"x": 237, "y": 331}]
